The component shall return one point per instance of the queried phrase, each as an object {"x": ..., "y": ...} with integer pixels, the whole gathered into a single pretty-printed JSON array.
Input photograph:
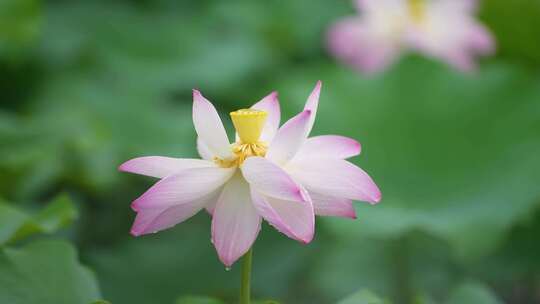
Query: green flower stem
[
  {"x": 400, "y": 252},
  {"x": 245, "y": 285}
]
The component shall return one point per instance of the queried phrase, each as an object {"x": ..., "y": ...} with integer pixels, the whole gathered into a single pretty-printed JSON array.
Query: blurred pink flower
[
  {"x": 444, "y": 29},
  {"x": 285, "y": 182}
]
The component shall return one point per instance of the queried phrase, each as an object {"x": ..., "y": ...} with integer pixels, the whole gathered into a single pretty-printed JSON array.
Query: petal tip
[
  {"x": 306, "y": 113},
  {"x": 356, "y": 147},
  {"x": 313, "y": 99},
  {"x": 135, "y": 205},
  {"x": 376, "y": 199},
  {"x": 317, "y": 89},
  {"x": 122, "y": 167},
  {"x": 226, "y": 260},
  {"x": 306, "y": 240},
  {"x": 135, "y": 232},
  {"x": 126, "y": 166},
  {"x": 197, "y": 96}
]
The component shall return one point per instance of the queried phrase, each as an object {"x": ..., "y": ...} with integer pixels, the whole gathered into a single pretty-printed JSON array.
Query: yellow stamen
[
  {"x": 226, "y": 163},
  {"x": 242, "y": 151},
  {"x": 417, "y": 9},
  {"x": 249, "y": 124}
]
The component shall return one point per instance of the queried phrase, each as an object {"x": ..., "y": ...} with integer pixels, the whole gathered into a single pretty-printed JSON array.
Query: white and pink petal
[
  {"x": 210, "y": 200},
  {"x": 327, "y": 205},
  {"x": 289, "y": 138},
  {"x": 312, "y": 104},
  {"x": 151, "y": 220},
  {"x": 463, "y": 7},
  {"x": 271, "y": 180},
  {"x": 184, "y": 187},
  {"x": 378, "y": 6},
  {"x": 270, "y": 105},
  {"x": 361, "y": 46},
  {"x": 160, "y": 166},
  {"x": 292, "y": 218},
  {"x": 204, "y": 151},
  {"x": 479, "y": 40},
  {"x": 235, "y": 223},
  {"x": 329, "y": 146},
  {"x": 157, "y": 219},
  {"x": 335, "y": 177},
  {"x": 209, "y": 126}
]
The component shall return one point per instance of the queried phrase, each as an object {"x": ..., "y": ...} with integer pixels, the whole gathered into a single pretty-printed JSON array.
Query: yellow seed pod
[
  {"x": 249, "y": 124},
  {"x": 417, "y": 9}
]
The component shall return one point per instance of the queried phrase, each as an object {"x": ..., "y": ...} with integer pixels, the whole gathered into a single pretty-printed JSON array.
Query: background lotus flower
[
  {"x": 444, "y": 29},
  {"x": 286, "y": 182}
]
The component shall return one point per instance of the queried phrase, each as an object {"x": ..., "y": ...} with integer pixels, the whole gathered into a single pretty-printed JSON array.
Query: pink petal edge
[
  {"x": 270, "y": 104},
  {"x": 329, "y": 146},
  {"x": 161, "y": 166},
  {"x": 282, "y": 215},
  {"x": 272, "y": 180},
  {"x": 289, "y": 138},
  {"x": 235, "y": 223},
  {"x": 209, "y": 127}
]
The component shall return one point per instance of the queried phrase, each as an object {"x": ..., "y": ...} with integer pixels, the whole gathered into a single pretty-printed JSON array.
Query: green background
[{"x": 86, "y": 85}]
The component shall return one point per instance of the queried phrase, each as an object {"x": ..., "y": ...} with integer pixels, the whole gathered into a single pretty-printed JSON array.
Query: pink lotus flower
[
  {"x": 444, "y": 29},
  {"x": 276, "y": 174}
]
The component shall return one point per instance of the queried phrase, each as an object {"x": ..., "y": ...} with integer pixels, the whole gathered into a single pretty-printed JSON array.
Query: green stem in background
[
  {"x": 245, "y": 283},
  {"x": 402, "y": 271}
]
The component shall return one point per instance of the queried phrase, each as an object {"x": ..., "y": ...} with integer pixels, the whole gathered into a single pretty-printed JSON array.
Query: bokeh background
[{"x": 86, "y": 85}]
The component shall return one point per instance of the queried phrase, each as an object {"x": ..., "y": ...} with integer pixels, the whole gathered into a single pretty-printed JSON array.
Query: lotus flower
[
  {"x": 279, "y": 175},
  {"x": 444, "y": 29}
]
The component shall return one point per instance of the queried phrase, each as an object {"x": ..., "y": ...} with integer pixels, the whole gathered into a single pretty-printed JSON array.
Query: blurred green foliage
[
  {"x": 45, "y": 272},
  {"x": 363, "y": 297},
  {"x": 472, "y": 293},
  {"x": 87, "y": 85},
  {"x": 20, "y": 23},
  {"x": 197, "y": 300},
  {"x": 17, "y": 224}
]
